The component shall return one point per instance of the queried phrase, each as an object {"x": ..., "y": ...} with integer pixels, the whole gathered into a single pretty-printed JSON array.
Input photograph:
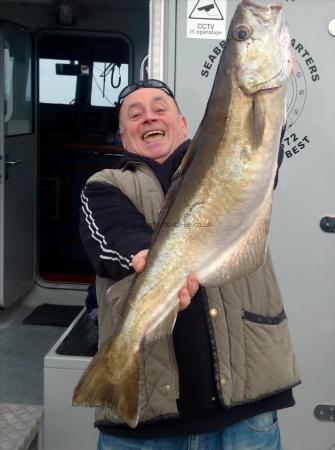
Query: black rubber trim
[
  {"x": 266, "y": 320},
  {"x": 213, "y": 346}
]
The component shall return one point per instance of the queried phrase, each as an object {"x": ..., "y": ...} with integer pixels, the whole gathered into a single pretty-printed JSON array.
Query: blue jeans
[{"x": 256, "y": 433}]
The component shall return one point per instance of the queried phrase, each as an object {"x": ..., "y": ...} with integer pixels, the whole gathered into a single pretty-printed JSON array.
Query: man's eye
[{"x": 135, "y": 116}]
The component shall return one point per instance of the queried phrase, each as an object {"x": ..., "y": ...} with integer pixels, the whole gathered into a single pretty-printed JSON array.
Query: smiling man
[
  {"x": 181, "y": 404},
  {"x": 151, "y": 124}
]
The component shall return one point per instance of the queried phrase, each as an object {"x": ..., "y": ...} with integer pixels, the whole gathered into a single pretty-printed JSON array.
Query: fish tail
[{"x": 111, "y": 380}]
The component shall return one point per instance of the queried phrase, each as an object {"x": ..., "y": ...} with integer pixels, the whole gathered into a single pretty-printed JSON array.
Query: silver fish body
[{"x": 216, "y": 223}]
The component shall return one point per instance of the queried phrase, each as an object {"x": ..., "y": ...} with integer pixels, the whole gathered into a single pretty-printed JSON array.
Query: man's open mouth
[{"x": 153, "y": 133}]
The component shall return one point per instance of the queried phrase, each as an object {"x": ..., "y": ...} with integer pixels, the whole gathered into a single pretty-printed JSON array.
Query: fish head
[{"x": 261, "y": 47}]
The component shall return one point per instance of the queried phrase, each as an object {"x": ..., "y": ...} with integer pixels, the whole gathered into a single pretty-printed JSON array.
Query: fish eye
[{"x": 242, "y": 33}]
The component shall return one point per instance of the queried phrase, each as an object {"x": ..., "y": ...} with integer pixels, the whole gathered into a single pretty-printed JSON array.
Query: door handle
[
  {"x": 9, "y": 164},
  {"x": 13, "y": 163}
]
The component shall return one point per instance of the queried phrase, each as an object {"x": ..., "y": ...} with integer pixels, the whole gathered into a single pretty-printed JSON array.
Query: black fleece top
[{"x": 123, "y": 232}]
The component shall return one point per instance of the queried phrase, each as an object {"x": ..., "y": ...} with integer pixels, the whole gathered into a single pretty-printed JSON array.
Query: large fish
[{"x": 216, "y": 217}]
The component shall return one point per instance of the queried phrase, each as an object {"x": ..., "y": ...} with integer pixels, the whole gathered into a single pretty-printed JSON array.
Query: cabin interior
[{"x": 63, "y": 64}]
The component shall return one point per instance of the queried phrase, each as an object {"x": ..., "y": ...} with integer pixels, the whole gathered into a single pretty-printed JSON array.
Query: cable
[{"x": 103, "y": 96}]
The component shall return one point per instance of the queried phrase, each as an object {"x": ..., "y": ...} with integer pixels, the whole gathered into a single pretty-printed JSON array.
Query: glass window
[
  {"x": 108, "y": 81},
  {"x": 55, "y": 88},
  {"x": 17, "y": 83},
  {"x": 8, "y": 87}
]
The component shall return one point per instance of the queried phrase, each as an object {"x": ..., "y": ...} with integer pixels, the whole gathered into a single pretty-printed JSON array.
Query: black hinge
[
  {"x": 325, "y": 413},
  {"x": 328, "y": 224}
]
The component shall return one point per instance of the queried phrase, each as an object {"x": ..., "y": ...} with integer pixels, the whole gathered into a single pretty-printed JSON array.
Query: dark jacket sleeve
[{"x": 112, "y": 230}]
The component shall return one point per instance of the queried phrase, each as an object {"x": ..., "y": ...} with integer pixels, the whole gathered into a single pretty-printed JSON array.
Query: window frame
[
  {"x": 86, "y": 34},
  {"x": 30, "y": 77}
]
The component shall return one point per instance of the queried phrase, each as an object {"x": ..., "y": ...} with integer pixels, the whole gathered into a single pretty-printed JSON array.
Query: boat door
[
  {"x": 303, "y": 218},
  {"x": 17, "y": 165}
]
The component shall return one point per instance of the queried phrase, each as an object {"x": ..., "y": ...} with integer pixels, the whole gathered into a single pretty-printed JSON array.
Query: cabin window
[
  {"x": 17, "y": 84},
  {"x": 8, "y": 85},
  {"x": 108, "y": 81},
  {"x": 56, "y": 88}
]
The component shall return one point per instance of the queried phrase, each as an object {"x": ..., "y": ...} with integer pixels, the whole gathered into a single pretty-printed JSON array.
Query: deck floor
[{"x": 22, "y": 350}]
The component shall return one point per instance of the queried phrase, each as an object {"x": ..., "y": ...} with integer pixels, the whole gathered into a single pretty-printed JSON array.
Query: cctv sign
[{"x": 206, "y": 19}]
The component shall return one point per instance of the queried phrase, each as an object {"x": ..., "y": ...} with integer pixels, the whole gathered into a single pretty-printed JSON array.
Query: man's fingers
[
  {"x": 139, "y": 260},
  {"x": 192, "y": 284},
  {"x": 184, "y": 298},
  {"x": 186, "y": 293},
  {"x": 139, "y": 264}
]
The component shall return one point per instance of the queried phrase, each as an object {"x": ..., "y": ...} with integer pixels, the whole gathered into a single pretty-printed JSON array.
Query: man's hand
[
  {"x": 185, "y": 294},
  {"x": 139, "y": 260}
]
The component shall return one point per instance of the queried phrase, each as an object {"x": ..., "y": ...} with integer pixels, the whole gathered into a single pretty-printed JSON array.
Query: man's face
[{"x": 150, "y": 124}]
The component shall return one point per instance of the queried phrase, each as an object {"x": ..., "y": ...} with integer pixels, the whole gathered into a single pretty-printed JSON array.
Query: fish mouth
[
  {"x": 152, "y": 133},
  {"x": 261, "y": 8},
  {"x": 266, "y": 13}
]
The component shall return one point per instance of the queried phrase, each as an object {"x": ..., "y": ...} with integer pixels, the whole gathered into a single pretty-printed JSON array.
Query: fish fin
[
  {"x": 106, "y": 384},
  {"x": 117, "y": 295},
  {"x": 244, "y": 257},
  {"x": 259, "y": 122},
  {"x": 174, "y": 188},
  {"x": 121, "y": 288},
  {"x": 186, "y": 161},
  {"x": 163, "y": 326},
  {"x": 112, "y": 380}
]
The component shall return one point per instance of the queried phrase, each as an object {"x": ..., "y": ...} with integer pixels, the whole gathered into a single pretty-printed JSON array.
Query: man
[{"x": 193, "y": 411}]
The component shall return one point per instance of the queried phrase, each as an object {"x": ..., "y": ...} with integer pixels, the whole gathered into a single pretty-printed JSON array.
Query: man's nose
[{"x": 150, "y": 116}]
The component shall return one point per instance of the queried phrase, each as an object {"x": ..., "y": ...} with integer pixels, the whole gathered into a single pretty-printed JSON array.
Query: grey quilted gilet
[{"x": 252, "y": 350}]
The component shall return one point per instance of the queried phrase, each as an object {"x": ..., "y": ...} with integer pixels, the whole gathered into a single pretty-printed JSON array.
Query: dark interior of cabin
[{"x": 80, "y": 76}]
